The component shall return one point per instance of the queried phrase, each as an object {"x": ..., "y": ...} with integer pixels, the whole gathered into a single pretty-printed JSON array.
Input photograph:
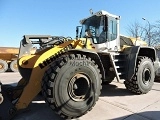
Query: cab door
[{"x": 113, "y": 34}]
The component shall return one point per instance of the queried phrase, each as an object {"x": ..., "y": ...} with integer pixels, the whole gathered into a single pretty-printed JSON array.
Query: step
[
  {"x": 119, "y": 60},
  {"x": 121, "y": 73},
  {"x": 119, "y": 67}
]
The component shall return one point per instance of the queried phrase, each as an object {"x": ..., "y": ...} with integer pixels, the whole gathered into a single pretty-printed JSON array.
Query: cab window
[{"x": 112, "y": 30}]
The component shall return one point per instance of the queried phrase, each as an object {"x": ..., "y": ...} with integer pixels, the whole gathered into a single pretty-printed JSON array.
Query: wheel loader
[{"x": 70, "y": 72}]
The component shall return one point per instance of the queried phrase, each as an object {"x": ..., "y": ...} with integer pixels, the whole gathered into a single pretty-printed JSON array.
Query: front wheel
[
  {"x": 143, "y": 79},
  {"x": 72, "y": 85}
]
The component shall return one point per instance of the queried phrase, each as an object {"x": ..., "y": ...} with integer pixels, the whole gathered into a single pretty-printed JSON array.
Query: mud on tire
[
  {"x": 71, "y": 85},
  {"x": 143, "y": 80}
]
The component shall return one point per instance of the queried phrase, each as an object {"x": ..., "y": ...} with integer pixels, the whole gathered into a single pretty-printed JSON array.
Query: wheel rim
[
  {"x": 79, "y": 87},
  {"x": 146, "y": 76}
]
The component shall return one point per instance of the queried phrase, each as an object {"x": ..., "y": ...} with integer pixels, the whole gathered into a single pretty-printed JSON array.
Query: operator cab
[{"x": 102, "y": 28}]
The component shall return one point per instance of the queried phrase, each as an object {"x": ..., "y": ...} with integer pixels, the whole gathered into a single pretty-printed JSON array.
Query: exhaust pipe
[{"x": 1, "y": 97}]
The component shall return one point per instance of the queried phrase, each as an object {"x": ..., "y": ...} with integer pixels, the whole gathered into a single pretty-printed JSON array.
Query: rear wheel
[
  {"x": 13, "y": 66},
  {"x": 72, "y": 85},
  {"x": 3, "y": 66},
  {"x": 143, "y": 79}
]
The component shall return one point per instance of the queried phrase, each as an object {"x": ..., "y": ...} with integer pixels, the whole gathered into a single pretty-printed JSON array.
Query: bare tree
[
  {"x": 157, "y": 33},
  {"x": 135, "y": 29},
  {"x": 148, "y": 32}
]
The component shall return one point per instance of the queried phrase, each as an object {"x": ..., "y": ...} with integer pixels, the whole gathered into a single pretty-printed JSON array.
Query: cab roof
[{"x": 100, "y": 13}]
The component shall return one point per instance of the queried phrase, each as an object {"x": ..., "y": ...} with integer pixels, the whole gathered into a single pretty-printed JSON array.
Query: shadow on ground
[
  {"x": 113, "y": 90},
  {"x": 148, "y": 115},
  {"x": 157, "y": 79},
  {"x": 41, "y": 111},
  {"x": 37, "y": 110}
]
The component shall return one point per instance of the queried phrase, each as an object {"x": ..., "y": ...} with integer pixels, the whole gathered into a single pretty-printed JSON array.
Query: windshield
[{"x": 95, "y": 26}]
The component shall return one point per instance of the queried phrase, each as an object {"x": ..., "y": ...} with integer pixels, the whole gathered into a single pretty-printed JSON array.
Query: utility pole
[{"x": 148, "y": 31}]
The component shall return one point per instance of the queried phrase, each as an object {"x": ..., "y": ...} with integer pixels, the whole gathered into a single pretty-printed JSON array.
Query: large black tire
[
  {"x": 13, "y": 66},
  {"x": 72, "y": 85},
  {"x": 3, "y": 66},
  {"x": 143, "y": 80}
]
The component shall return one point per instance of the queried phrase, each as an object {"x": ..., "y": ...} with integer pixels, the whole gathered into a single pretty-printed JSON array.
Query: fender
[{"x": 133, "y": 53}]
